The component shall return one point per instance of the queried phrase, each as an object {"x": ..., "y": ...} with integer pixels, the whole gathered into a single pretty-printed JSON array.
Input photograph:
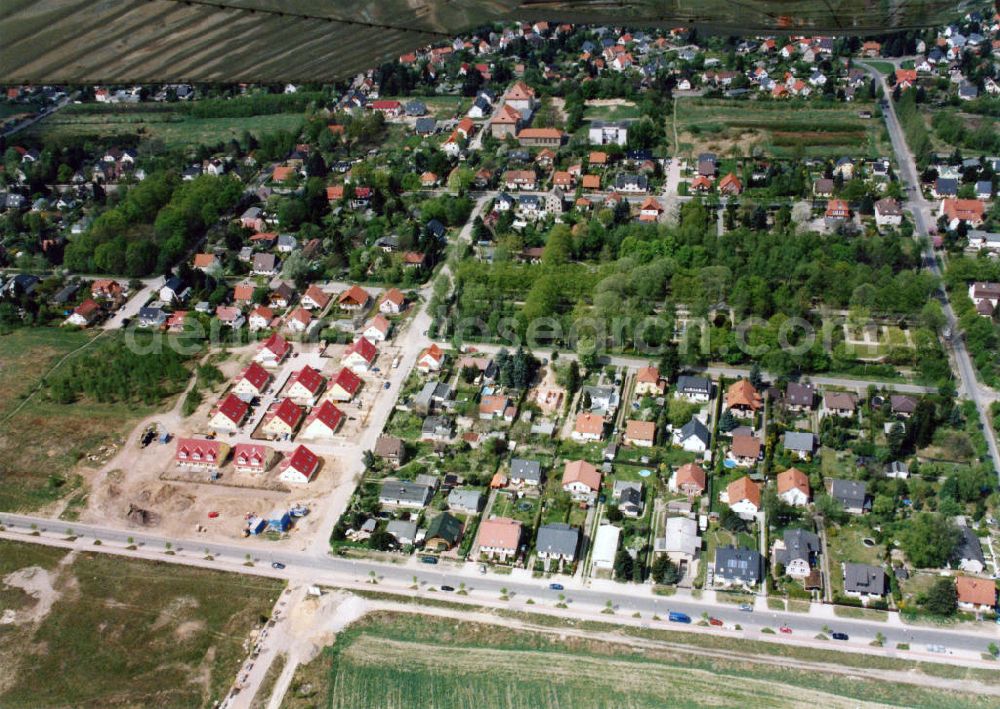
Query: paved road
[
  {"x": 32, "y": 121},
  {"x": 135, "y": 302},
  {"x": 921, "y": 210},
  {"x": 310, "y": 567}
]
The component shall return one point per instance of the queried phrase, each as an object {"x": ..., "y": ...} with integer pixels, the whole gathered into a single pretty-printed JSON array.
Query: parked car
[
  {"x": 556, "y": 586},
  {"x": 785, "y": 629},
  {"x": 428, "y": 560},
  {"x": 746, "y": 607},
  {"x": 447, "y": 588},
  {"x": 277, "y": 565},
  {"x": 675, "y": 617},
  {"x": 839, "y": 636},
  {"x": 714, "y": 621},
  {"x": 386, "y": 385}
]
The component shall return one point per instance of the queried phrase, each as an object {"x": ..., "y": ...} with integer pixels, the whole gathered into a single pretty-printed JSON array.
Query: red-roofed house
[
  {"x": 323, "y": 421},
  {"x": 252, "y": 382},
  {"x": 905, "y": 78},
  {"x": 969, "y": 211},
  {"x": 648, "y": 382},
  {"x": 273, "y": 351},
  {"x": 430, "y": 360},
  {"x": 243, "y": 293},
  {"x": 581, "y": 480},
  {"x": 837, "y": 209},
  {"x": 499, "y": 538},
  {"x": 283, "y": 173},
  {"x": 298, "y": 320},
  {"x": 689, "y": 479},
  {"x": 589, "y": 427},
  {"x": 393, "y": 302},
  {"x": 640, "y": 433},
  {"x": 252, "y": 458},
  {"x": 314, "y": 297},
  {"x": 200, "y": 454},
  {"x": 793, "y": 487},
  {"x": 388, "y": 108},
  {"x": 378, "y": 328},
  {"x": 282, "y": 419},
  {"x": 743, "y": 497},
  {"x": 354, "y": 298},
  {"x": 229, "y": 415},
  {"x": 205, "y": 262},
  {"x": 730, "y": 184},
  {"x": 260, "y": 318},
  {"x": 650, "y": 210},
  {"x": 105, "y": 288},
  {"x": 300, "y": 467},
  {"x": 84, "y": 314},
  {"x": 701, "y": 184},
  {"x": 360, "y": 356},
  {"x": 344, "y": 386},
  {"x": 306, "y": 385},
  {"x": 974, "y": 594}
]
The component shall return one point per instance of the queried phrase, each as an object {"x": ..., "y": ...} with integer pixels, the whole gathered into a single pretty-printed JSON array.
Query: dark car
[
  {"x": 447, "y": 588},
  {"x": 277, "y": 565},
  {"x": 839, "y": 636},
  {"x": 556, "y": 586},
  {"x": 428, "y": 560}
]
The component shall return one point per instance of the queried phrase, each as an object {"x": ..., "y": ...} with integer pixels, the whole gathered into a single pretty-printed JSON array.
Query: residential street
[{"x": 922, "y": 212}]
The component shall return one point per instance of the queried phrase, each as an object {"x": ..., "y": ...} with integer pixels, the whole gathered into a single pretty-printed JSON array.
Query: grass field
[
  {"x": 611, "y": 113},
  {"x": 399, "y": 661},
  {"x": 816, "y": 130},
  {"x": 175, "y": 129},
  {"x": 124, "y": 633},
  {"x": 44, "y": 440}
]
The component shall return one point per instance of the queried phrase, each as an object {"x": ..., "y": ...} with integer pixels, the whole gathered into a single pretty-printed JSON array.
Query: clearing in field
[
  {"x": 175, "y": 128},
  {"x": 399, "y": 660},
  {"x": 121, "y": 632},
  {"x": 43, "y": 441},
  {"x": 774, "y": 128}
]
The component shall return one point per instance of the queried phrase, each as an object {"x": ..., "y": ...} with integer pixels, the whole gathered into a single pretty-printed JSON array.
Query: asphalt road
[
  {"x": 920, "y": 208},
  {"x": 323, "y": 569}
]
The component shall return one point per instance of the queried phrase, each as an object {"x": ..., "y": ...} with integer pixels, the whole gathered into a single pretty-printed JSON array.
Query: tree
[
  {"x": 665, "y": 571},
  {"x": 756, "y": 378},
  {"x": 942, "y": 597},
  {"x": 732, "y": 522},
  {"x": 381, "y": 540},
  {"x": 623, "y": 565},
  {"x": 896, "y": 439},
  {"x": 727, "y": 422},
  {"x": 929, "y": 540},
  {"x": 670, "y": 361}
]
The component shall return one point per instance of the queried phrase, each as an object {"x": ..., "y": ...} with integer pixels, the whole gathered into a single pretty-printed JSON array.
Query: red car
[
  {"x": 785, "y": 629},
  {"x": 213, "y": 515},
  {"x": 714, "y": 621}
]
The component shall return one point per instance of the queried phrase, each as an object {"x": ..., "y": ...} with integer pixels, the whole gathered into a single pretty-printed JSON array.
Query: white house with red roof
[
  {"x": 84, "y": 314},
  {"x": 322, "y": 422},
  {"x": 393, "y": 302},
  {"x": 229, "y": 415},
  {"x": 582, "y": 480},
  {"x": 299, "y": 320},
  {"x": 430, "y": 360},
  {"x": 252, "y": 458},
  {"x": 360, "y": 356},
  {"x": 273, "y": 351},
  {"x": 230, "y": 316},
  {"x": 378, "y": 328},
  {"x": 354, "y": 298},
  {"x": 314, "y": 297},
  {"x": 261, "y": 318},
  {"x": 200, "y": 453},
  {"x": 282, "y": 419},
  {"x": 300, "y": 467},
  {"x": 344, "y": 386},
  {"x": 305, "y": 386},
  {"x": 253, "y": 381}
]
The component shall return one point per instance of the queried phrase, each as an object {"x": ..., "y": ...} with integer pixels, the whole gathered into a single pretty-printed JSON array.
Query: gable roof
[
  {"x": 500, "y": 533},
  {"x": 746, "y": 446},
  {"x": 691, "y": 474},
  {"x": 287, "y": 412},
  {"x": 793, "y": 479},
  {"x": 558, "y": 538},
  {"x": 980, "y": 592},
  {"x": 862, "y": 578},
  {"x": 588, "y": 423},
  {"x": 743, "y": 489},
  {"x": 233, "y": 408},
  {"x": 309, "y": 378},
  {"x": 316, "y": 294},
  {"x": 355, "y": 295},
  {"x": 446, "y": 527},
  {"x": 640, "y": 430},
  {"x": 347, "y": 380},
  {"x": 277, "y": 345},
  {"x": 743, "y": 393},
  {"x": 327, "y": 414},
  {"x": 363, "y": 347},
  {"x": 303, "y": 461},
  {"x": 582, "y": 472},
  {"x": 256, "y": 375}
]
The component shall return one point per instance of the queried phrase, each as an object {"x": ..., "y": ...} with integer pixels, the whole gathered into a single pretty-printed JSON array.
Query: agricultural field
[
  {"x": 401, "y": 660},
  {"x": 42, "y": 441},
  {"x": 818, "y": 131},
  {"x": 94, "y": 630},
  {"x": 175, "y": 129}
]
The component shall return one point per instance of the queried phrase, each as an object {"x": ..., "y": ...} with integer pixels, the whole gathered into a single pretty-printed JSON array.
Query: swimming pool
[{"x": 729, "y": 463}]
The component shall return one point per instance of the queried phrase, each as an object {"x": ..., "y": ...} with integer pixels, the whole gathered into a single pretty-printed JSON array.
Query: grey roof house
[
  {"x": 797, "y": 552},
  {"x": 852, "y": 494},
  {"x": 528, "y": 472},
  {"x": 402, "y": 493},
  {"x": 404, "y": 532},
  {"x": 469, "y": 501},
  {"x": 738, "y": 566},
  {"x": 800, "y": 443},
  {"x": 968, "y": 553},
  {"x": 557, "y": 541},
  {"x": 864, "y": 581}
]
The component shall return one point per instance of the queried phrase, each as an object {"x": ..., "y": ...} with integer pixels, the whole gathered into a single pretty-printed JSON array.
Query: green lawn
[
  {"x": 845, "y": 545},
  {"x": 44, "y": 440},
  {"x": 780, "y": 128},
  {"x": 401, "y": 660},
  {"x": 884, "y": 68},
  {"x": 611, "y": 113},
  {"x": 175, "y": 129},
  {"x": 126, "y": 633}
]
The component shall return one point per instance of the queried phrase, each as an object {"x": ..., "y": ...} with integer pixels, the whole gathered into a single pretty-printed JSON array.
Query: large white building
[{"x": 601, "y": 133}]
